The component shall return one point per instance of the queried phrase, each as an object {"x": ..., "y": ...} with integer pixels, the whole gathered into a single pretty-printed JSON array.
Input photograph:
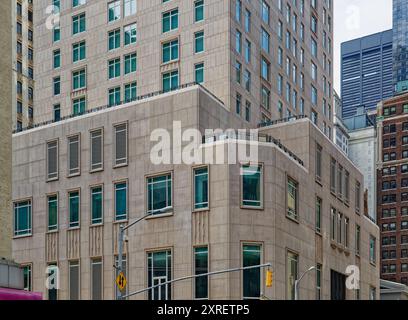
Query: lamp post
[
  {"x": 121, "y": 239},
  {"x": 297, "y": 282}
]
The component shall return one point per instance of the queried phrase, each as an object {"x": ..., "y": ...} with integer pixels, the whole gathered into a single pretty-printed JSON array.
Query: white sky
[{"x": 357, "y": 18}]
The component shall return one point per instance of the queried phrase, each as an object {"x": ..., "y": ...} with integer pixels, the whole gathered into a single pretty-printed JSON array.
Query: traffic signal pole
[{"x": 266, "y": 265}]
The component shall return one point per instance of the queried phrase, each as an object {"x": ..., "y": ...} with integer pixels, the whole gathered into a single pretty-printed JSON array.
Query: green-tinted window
[
  {"x": 114, "y": 96},
  {"x": 201, "y": 188},
  {"x": 27, "y": 278},
  {"x": 114, "y": 39},
  {"x": 57, "y": 85},
  {"x": 201, "y": 267},
  {"x": 52, "y": 212},
  {"x": 56, "y": 33},
  {"x": 57, "y": 58},
  {"x": 78, "y": 23},
  {"x": 130, "y": 92},
  {"x": 22, "y": 218},
  {"x": 170, "y": 51},
  {"x": 199, "y": 42},
  {"x": 251, "y": 186},
  {"x": 170, "y": 20},
  {"x": 291, "y": 274},
  {"x": 199, "y": 10},
  {"x": 130, "y": 63},
  {"x": 318, "y": 215},
  {"x": 170, "y": 81},
  {"x": 199, "y": 73},
  {"x": 78, "y": 106},
  {"x": 159, "y": 194},
  {"x": 120, "y": 201},
  {"x": 114, "y": 10},
  {"x": 159, "y": 271},
  {"x": 79, "y": 79},
  {"x": 78, "y": 51},
  {"x": 76, "y": 3},
  {"x": 97, "y": 205},
  {"x": 130, "y": 34},
  {"x": 73, "y": 209},
  {"x": 114, "y": 68},
  {"x": 251, "y": 256}
]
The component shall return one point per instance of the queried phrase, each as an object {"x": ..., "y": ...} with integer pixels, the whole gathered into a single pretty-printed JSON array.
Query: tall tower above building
[
  {"x": 400, "y": 45},
  {"x": 5, "y": 128},
  {"x": 264, "y": 59},
  {"x": 23, "y": 64},
  {"x": 366, "y": 72}
]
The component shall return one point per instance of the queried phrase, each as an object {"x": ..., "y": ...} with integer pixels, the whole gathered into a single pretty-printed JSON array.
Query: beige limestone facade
[
  {"x": 265, "y": 60},
  {"x": 5, "y": 128},
  {"x": 281, "y": 224}
]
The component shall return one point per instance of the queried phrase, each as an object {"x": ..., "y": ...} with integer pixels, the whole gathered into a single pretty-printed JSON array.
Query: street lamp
[
  {"x": 121, "y": 239},
  {"x": 297, "y": 282}
]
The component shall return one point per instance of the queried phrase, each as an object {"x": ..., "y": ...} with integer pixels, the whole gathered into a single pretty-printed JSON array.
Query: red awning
[{"x": 13, "y": 294}]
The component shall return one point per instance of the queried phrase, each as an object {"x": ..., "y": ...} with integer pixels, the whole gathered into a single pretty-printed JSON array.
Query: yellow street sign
[
  {"x": 269, "y": 278},
  {"x": 121, "y": 281}
]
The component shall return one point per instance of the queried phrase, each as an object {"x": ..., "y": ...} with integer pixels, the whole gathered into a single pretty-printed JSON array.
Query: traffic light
[{"x": 269, "y": 278}]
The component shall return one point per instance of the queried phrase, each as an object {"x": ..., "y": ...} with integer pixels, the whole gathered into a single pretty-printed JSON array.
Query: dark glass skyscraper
[
  {"x": 400, "y": 45},
  {"x": 366, "y": 72}
]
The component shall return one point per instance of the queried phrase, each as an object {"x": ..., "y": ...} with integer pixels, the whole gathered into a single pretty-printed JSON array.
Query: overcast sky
[{"x": 357, "y": 18}]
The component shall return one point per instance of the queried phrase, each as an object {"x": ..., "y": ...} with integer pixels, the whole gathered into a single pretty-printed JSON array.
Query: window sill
[
  {"x": 163, "y": 215},
  {"x": 74, "y": 228},
  {"x": 251, "y": 208},
  {"x": 124, "y": 221},
  {"x": 52, "y": 231},
  {"x": 52, "y": 180},
  {"x": 319, "y": 181},
  {"x": 95, "y": 170},
  {"x": 293, "y": 219},
  {"x": 95, "y": 225},
  {"x": 120, "y": 165},
  {"x": 201, "y": 210},
  {"x": 73, "y": 175},
  {"x": 23, "y": 236},
  {"x": 319, "y": 233}
]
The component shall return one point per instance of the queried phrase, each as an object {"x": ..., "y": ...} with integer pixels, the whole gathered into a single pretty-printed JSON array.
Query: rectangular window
[
  {"x": 170, "y": 20},
  {"x": 170, "y": 51},
  {"x": 52, "y": 275},
  {"x": 74, "y": 282},
  {"x": 291, "y": 274},
  {"x": 292, "y": 199},
  {"x": 114, "y": 39},
  {"x": 199, "y": 72},
  {"x": 333, "y": 175},
  {"x": 78, "y": 23},
  {"x": 373, "y": 257},
  {"x": 201, "y": 267},
  {"x": 57, "y": 85},
  {"x": 27, "y": 274},
  {"x": 121, "y": 144},
  {"x": 170, "y": 80},
  {"x": 318, "y": 162},
  {"x": 199, "y": 42},
  {"x": 57, "y": 58},
  {"x": 96, "y": 150},
  {"x": 318, "y": 215},
  {"x": 130, "y": 92},
  {"x": 121, "y": 203},
  {"x": 79, "y": 79},
  {"x": 159, "y": 194},
  {"x": 96, "y": 279},
  {"x": 159, "y": 271},
  {"x": 78, "y": 106},
  {"x": 251, "y": 279},
  {"x": 22, "y": 218},
  {"x": 114, "y": 68},
  {"x": 318, "y": 282},
  {"x": 52, "y": 202},
  {"x": 114, "y": 11},
  {"x": 52, "y": 160},
  {"x": 251, "y": 181},
  {"x": 333, "y": 224},
  {"x": 74, "y": 208},
  {"x": 130, "y": 63},
  {"x": 198, "y": 10},
  {"x": 114, "y": 97},
  {"x": 74, "y": 155},
  {"x": 78, "y": 51},
  {"x": 130, "y": 34},
  {"x": 358, "y": 196},
  {"x": 129, "y": 7},
  {"x": 201, "y": 188},
  {"x": 96, "y": 205}
]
